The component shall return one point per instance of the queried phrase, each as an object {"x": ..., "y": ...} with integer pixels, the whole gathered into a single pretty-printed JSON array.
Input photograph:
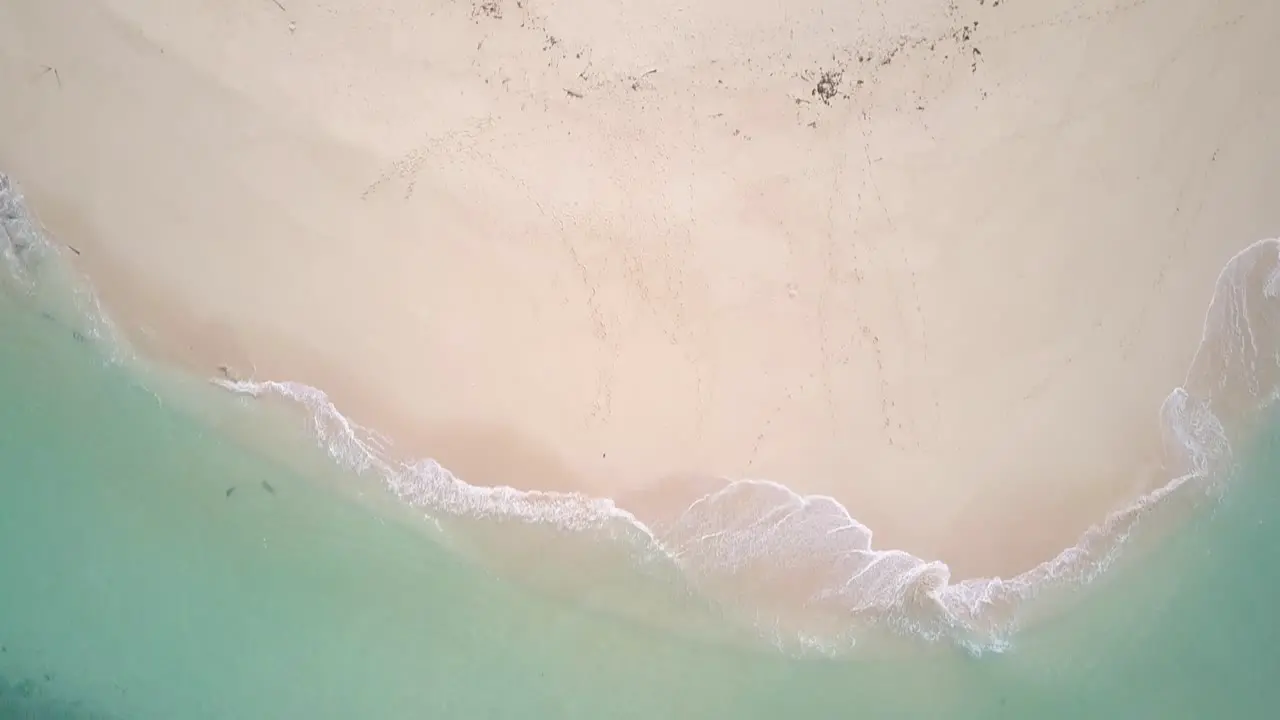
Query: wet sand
[{"x": 943, "y": 266}]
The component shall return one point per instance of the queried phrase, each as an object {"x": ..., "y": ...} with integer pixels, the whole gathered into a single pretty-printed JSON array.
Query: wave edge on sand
[
  {"x": 765, "y": 531},
  {"x": 710, "y": 543}
]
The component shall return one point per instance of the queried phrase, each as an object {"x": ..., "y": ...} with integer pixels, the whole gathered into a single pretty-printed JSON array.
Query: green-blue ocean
[{"x": 172, "y": 550}]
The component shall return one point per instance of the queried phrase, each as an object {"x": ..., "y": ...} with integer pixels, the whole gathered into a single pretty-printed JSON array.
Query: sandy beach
[{"x": 942, "y": 262}]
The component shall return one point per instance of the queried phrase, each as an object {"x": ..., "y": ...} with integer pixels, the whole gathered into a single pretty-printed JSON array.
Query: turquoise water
[{"x": 133, "y": 584}]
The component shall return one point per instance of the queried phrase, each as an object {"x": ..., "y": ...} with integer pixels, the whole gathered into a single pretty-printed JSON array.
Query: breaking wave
[
  {"x": 747, "y": 540},
  {"x": 815, "y": 549}
]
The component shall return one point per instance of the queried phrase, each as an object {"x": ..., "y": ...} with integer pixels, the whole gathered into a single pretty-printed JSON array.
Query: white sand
[{"x": 597, "y": 244}]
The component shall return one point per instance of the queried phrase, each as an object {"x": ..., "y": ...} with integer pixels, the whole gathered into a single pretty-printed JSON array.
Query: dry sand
[{"x": 942, "y": 261}]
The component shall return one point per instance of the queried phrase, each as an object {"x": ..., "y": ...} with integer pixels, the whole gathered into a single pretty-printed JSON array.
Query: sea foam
[
  {"x": 34, "y": 273},
  {"x": 743, "y": 543},
  {"x": 755, "y": 536}
]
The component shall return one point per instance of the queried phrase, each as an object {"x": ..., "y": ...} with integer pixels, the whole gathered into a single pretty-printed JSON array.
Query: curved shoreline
[
  {"x": 912, "y": 595},
  {"x": 934, "y": 267},
  {"x": 951, "y": 319},
  {"x": 721, "y": 550}
]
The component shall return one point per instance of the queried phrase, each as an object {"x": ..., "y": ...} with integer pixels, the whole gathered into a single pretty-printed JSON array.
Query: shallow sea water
[{"x": 132, "y": 585}]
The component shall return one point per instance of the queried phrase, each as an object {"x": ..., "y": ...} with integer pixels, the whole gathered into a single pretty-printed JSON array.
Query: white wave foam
[
  {"x": 753, "y": 537},
  {"x": 757, "y": 536},
  {"x": 22, "y": 246},
  {"x": 36, "y": 274},
  {"x": 425, "y": 483}
]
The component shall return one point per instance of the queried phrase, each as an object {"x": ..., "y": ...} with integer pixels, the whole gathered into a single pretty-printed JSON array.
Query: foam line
[
  {"x": 750, "y": 524},
  {"x": 762, "y": 532}
]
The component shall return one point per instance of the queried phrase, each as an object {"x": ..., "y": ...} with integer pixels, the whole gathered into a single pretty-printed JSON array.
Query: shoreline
[
  {"x": 886, "y": 367},
  {"x": 978, "y": 614}
]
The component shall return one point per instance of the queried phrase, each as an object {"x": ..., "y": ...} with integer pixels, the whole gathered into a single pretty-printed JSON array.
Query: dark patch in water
[
  {"x": 267, "y": 486},
  {"x": 30, "y": 700},
  {"x": 231, "y": 490}
]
